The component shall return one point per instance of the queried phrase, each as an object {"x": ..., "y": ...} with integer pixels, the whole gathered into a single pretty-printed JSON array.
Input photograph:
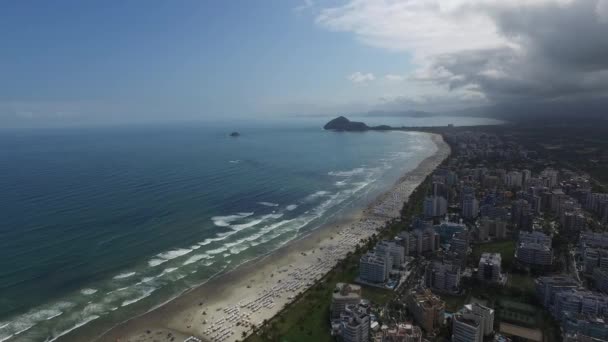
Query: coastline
[{"x": 259, "y": 289}]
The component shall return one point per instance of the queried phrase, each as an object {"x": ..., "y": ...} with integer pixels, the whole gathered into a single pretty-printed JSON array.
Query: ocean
[{"x": 102, "y": 224}]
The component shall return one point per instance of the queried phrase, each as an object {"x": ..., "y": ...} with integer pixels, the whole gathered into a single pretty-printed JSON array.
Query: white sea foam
[
  {"x": 237, "y": 250},
  {"x": 268, "y": 204},
  {"x": 217, "y": 250},
  {"x": 195, "y": 258},
  {"x": 255, "y": 222},
  {"x": 234, "y": 161},
  {"x": 291, "y": 207},
  {"x": 22, "y": 323},
  {"x": 135, "y": 300},
  {"x": 340, "y": 183},
  {"x": 353, "y": 172},
  {"x": 176, "y": 253},
  {"x": 316, "y": 195},
  {"x": 156, "y": 262},
  {"x": 144, "y": 280},
  {"x": 125, "y": 275},
  {"x": 224, "y": 221},
  {"x": 169, "y": 270},
  {"x": 88, "y": 292},
  {"x": 249, "y": 224},
  {"x": 6, "y": 338},
  {"x": 59, "y": 313},
  {"x": 85, "y": 321}
]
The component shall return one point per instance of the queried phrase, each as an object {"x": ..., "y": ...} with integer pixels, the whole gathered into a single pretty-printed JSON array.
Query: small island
[
  {"x": 343, "y": 124},
  {"x": 235, "y": 134}
]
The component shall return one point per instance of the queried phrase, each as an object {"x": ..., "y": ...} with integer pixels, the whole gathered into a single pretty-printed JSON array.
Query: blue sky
[
  {"x": 97, "y": 62},
  {"x": 177, "y": 59}
]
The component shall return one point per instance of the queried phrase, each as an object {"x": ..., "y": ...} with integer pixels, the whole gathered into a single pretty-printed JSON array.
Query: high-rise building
[
  {"x": 396, "y": 252},
  {"x": 402, "y": 333},
  {"x": 534, "y": 249},
  {"x": 470, "y": 207},
  {"x": 427, "y": 240},
  {"x": 514, "y": 179},
  {"x": 472, "y": 323},
  {"x": 490, "y": 268},
  {"x": 374, "y": 268},
  {"x": 344, "y": 294},
  {"x": 443, "y": 277},
  {"x": 409, "y": 242},
  {"x": 549, "y": 176},
  {"x": 466, "y": 327},
  {"x": 579, "y": 302},
  {"x": 526, "y": 176},
  {"x": 435, "y": 206},
  {"x": 547, "y": 287},
  {"x": 426, "y": 308},
  {"x": 354, "y": 324}
]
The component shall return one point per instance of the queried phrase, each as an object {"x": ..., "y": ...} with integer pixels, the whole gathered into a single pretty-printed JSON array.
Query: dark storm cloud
[{"x": 559, "y": 53}]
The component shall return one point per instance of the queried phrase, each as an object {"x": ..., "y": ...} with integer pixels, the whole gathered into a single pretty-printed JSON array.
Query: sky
[{"x": 98, "y": 62}]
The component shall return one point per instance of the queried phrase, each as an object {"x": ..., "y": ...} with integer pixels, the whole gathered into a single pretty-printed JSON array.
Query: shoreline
[{"x": 258, "y": 289}]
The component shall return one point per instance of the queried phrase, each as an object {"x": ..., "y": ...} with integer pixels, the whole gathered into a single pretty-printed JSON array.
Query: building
[
  {"x": 374, "y": 268},
  {"x": 466, "y": 328},
  {"x": 460, "y": 243},
  {"x": 573, "y": 221},
  {"x": 472, "y": 323},
  {"x": 600, "y": 279},
  {"x": 401, "y": 333},
  {"x": 446, "y": 230},
  {"x": 354, "y": 324},
  {"x": 526, "y": 175},
  {"x": 344, "y": 294},
  {"x": 590, "y": 326},
  {"x": 549, "y": 176},
  {"x": 534, "y": 249},
  {"x": 435, "y": 206},
  {"x": 547, "y": 287},
  {"x": 514, "y": 179},
  {"x": 594, "y": 240},
  {"x": 595, "y": 258},
  {"x": 396, "y": 252},
  {"x": 470, "y": 207},
  {"x": 419, "y": 241},
  {"x": 495, "y": 228},
  {"x": 579, "y": 302},
  {"x": 408, "y": 241},
  {"x": 490, "y": 268},
  {"x": 427, "y": 309},
  {"x": 487, "y": 317},
  {"x": 442, "y": 277}
]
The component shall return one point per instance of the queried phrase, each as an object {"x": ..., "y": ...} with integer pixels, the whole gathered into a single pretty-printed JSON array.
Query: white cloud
[
  {"x": 425, "y": 27},
  {"x": 304, "y": 6},
  {"x": 420, "y": 26},
  {"x": 359, "y": 77},
  {"x": 601, "y": 10},
  {"x": 394, "y": 78}
]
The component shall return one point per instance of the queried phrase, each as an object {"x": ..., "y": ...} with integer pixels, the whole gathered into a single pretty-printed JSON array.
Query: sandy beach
[{"x": 227, "y": 307}]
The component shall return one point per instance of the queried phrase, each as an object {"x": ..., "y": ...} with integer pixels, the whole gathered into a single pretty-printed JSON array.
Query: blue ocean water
[{"x": 105, "y": 223}]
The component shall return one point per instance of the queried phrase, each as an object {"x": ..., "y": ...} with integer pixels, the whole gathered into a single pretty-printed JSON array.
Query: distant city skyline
[{"x": 70, "y": 62}]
